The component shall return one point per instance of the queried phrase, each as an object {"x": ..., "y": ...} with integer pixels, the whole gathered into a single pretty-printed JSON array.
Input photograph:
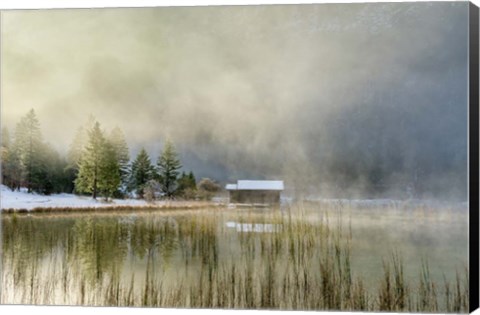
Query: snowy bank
[{"x": 21, "y": 200}]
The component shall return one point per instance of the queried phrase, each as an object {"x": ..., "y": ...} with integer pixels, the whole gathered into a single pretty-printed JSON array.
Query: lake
[{"x": 306, "y": 256}]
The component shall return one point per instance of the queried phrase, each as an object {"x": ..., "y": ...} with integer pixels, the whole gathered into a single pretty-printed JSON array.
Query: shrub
[{"x": 207, "y": 188}]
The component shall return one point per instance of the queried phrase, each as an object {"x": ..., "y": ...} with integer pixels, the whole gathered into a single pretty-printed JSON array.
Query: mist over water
[
  {"x": 233, "y": 259},
  {"x": 338, "y": 100}
]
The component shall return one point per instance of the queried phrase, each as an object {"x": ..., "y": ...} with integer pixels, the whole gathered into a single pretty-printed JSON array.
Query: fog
[{"x": 342, "y": 100}]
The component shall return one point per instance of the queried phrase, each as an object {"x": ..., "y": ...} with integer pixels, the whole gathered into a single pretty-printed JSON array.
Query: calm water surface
[{"x": 117, "y": 258}]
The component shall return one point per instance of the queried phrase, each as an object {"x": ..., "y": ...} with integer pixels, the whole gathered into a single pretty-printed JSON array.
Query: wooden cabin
[{"x": 255, "y": 191}]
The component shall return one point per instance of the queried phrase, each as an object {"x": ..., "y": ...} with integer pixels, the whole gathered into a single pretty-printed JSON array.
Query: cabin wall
[{"x": 255, "y": 196}]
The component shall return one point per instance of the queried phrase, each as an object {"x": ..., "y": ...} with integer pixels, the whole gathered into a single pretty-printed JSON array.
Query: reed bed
[
  {"x": 197, "y": 261},
  {"x": 105, "y": 207}
]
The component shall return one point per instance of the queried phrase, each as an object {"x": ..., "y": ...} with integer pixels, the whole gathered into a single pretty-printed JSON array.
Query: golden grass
[
  {"x": 169, "y": 205},
  {"x": 195, "y": 261}
]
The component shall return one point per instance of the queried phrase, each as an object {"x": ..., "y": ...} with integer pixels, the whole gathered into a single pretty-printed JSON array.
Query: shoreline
[
  {"x": 168, "y": 205},
  {"x": 23, "y": 202}
]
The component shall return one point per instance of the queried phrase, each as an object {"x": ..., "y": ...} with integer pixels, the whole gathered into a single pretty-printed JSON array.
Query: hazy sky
[{"x": 271, "y": 91}]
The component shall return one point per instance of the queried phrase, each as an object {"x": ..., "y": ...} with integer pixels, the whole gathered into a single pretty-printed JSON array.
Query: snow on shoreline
[{"x": 22, "y": 200}]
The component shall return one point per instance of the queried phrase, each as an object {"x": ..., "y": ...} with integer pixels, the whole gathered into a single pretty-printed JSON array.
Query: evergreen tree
[
  {"x": 76, "y": 149},
  {"x": 98, "y": 168},
  {"x": 12, "y": 170},
  {"x": 75, "y": 152},
  {"x": 50, "y": 174},
  {"x": 110, "y": 175},
  {"x": 187, "y": 185},
  {"x": 5, "y": 138},
  {"x": 141, "y": 172},
  {"x": 10, "y": 160},
  {"x": 182, "y": 183},
  {"x": 89, "y": 163},
  {"x": 119, "y": 144},
  {"x": 73, "y": 159},
  {"x": 4, "y": 151},
  {"x": 28, "y": 146},
  {"x": 192, "y": 182},
  {"x": 168, "y": 166}
]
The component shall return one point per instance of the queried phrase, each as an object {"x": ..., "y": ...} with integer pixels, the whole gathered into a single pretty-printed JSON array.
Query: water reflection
[
  {"x": 253, "y": 227},
  {"x": 232, "y": 258}
]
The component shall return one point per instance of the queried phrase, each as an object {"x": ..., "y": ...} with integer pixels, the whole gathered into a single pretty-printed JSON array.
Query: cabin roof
[
  {"x": 231, "y": 187},
  {"x": 256, "y": 185}
]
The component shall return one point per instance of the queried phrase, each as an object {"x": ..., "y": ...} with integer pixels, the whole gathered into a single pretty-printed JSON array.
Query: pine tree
[
  {"x": 98, "y": 167},
  {"x": 119, "y": 144},
  {"x": 5, "y": 138},
  {"x": 28, "y": 146},
  {"x": 89, "y": 163},
  {"x": 75, "y": 152},
  {"x": 30, "y": 162},
  {"x": 4, "y": 151},
  {"x": 168, "y": 166},
  {"x": 192, "y": 182},
  {"x": 76, "y": 149},
  {"x": 141, "y": 172},
  {"x": 182, "y": 183},
  {"x": 109, "y": 172},
  {"x": 51, "y": 174},
  {"x": 10, "y": 160},
  {"x": 12, "y": 169},
  {"x": 73, "y": 158},
  {"x": 187, "y": 185}
]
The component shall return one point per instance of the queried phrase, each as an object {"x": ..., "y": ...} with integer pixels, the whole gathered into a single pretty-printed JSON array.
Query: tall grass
[{"x": 196, "y": 261}]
